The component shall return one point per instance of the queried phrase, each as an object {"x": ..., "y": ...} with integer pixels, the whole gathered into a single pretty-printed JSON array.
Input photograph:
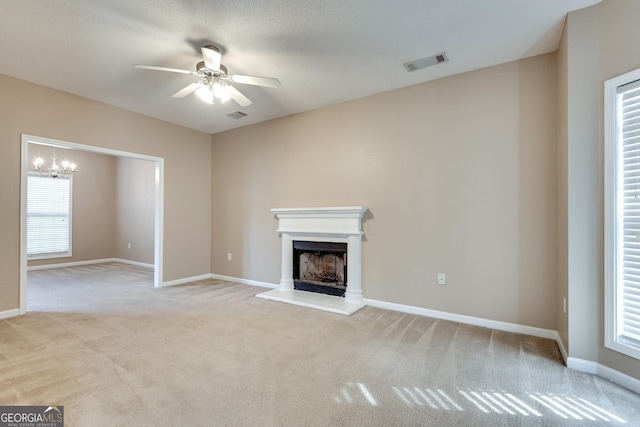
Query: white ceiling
[{"x": 324, "y": 52}]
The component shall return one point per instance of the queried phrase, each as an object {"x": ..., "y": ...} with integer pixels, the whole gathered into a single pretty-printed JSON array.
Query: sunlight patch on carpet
[{"x": 487, "y": 402}]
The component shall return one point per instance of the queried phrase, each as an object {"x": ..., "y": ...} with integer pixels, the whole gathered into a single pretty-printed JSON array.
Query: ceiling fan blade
[
  {"x": 237, "y": 96},
  {"x": 212, "y": 57},
  {"x": 255, "y": 80},
  {"x": 187, "y": 90},
  {"x": 171, "y": 70}
]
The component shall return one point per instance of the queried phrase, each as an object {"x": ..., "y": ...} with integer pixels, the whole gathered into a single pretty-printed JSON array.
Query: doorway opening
[{"x": 158, "y": 196}]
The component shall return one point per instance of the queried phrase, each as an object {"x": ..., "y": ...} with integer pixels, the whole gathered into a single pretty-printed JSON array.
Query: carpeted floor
[{"x": 114, "y": 351}]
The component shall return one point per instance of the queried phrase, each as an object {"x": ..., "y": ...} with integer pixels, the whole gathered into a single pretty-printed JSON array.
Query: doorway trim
[{"x": 159, "y": 202}]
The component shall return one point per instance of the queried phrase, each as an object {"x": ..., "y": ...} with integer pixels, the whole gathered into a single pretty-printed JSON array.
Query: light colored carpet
[{"x": 113, "y": 350}]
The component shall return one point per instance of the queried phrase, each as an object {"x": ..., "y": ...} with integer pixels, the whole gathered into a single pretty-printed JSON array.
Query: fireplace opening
[{"x": 320, "y": 267}]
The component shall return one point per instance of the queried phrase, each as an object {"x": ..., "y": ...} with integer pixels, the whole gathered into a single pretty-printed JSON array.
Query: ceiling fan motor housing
[{"x": 201, "y": 68}]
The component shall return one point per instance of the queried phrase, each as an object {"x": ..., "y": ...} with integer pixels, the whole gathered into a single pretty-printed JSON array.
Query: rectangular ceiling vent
[
  {"x": 419, "y": 64},
  {"x": 237, "y": 115}
]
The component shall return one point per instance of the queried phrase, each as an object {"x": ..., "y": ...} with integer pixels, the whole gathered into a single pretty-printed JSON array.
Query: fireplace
[
  {"x": 320, "y": 241},
  {"x": 320, "y": 267}
]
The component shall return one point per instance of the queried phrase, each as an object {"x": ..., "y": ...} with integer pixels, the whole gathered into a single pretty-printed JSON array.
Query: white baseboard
[
  {"x": 9, "y": 313},
  {"x": 136, "y": 263},
  {"x": 185, "y": 280},
  {"x": 586, "y": 366},
  {"x": 605, "y": 372},
  {"x": 244, "y": 281},
  {"x": 561, "y": 346},
  {"x": 469, "y": 320},
  {"x": 219, "y": 277},
  {"x": 88, "y": 262},
  {"x": 70, "y": 264},
  {"x": 619, "y": 378}
]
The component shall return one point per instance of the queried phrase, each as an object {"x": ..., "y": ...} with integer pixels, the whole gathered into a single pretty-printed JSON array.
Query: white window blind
[
  {"x": 628, "y": 201},
  {"x": 48, "y": 216}
]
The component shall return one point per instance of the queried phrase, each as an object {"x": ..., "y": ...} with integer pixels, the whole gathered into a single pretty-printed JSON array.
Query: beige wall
[
  {"x": 36, "y": 110},
  {"x": 94, "y": 203},
  {"x": 135, "y": 210},
  {"x": 601, "y": 44},
  {"x": 459, "y": 175}
]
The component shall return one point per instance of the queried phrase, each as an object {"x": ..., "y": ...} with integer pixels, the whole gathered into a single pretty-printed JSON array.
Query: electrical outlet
[
  {"x": 128, "y": 245},
  {"x": 228, "y": 256},
  {"x": 442, "y": 279},
  {"x": 564, "y": 305}
]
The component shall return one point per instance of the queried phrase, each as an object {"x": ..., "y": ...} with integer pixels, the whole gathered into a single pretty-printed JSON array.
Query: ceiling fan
[{"x": 216, "y": 83}]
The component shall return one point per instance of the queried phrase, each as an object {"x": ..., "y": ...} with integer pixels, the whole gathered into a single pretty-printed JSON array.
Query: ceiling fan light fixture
[
  {"x": 215, "y": 81},
  {"x": 220, "y": 92},
  {"x": 205, "y": 93}
]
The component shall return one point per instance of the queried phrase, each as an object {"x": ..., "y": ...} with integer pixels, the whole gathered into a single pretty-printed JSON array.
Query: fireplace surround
[{"x": 340, "y": 225}]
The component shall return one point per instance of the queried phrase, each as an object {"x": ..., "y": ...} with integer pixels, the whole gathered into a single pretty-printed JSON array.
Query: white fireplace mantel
[
  {"x": 335, "y": 224},
  {"x": 320, "y": 221}
]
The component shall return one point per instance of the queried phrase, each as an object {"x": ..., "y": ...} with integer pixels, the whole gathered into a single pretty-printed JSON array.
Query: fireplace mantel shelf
[
  {"x": 325, "y": 224},
  {"x": 342, "y": 221}
]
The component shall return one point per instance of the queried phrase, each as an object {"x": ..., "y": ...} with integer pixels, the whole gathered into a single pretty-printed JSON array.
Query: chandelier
[{"x": 55, "y": 170}]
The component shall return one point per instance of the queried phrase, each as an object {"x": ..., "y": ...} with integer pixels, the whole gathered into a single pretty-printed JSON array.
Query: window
[
  {"x": 622, "y": 214},
  {"x": 48, "y": 217}
]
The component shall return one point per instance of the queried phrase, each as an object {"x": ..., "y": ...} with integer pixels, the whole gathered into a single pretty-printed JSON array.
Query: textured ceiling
[{"x": 323, "y": 52}]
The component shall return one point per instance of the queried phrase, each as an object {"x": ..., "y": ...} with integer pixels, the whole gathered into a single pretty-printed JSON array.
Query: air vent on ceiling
[
  {"x": 419, "y": 64},
  {"x": 237, "y": 115}
]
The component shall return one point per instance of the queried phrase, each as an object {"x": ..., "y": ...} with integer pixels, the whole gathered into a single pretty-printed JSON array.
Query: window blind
[
  {"x": 48, "y": 216},
  {"x": 628, "y": 307}
]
